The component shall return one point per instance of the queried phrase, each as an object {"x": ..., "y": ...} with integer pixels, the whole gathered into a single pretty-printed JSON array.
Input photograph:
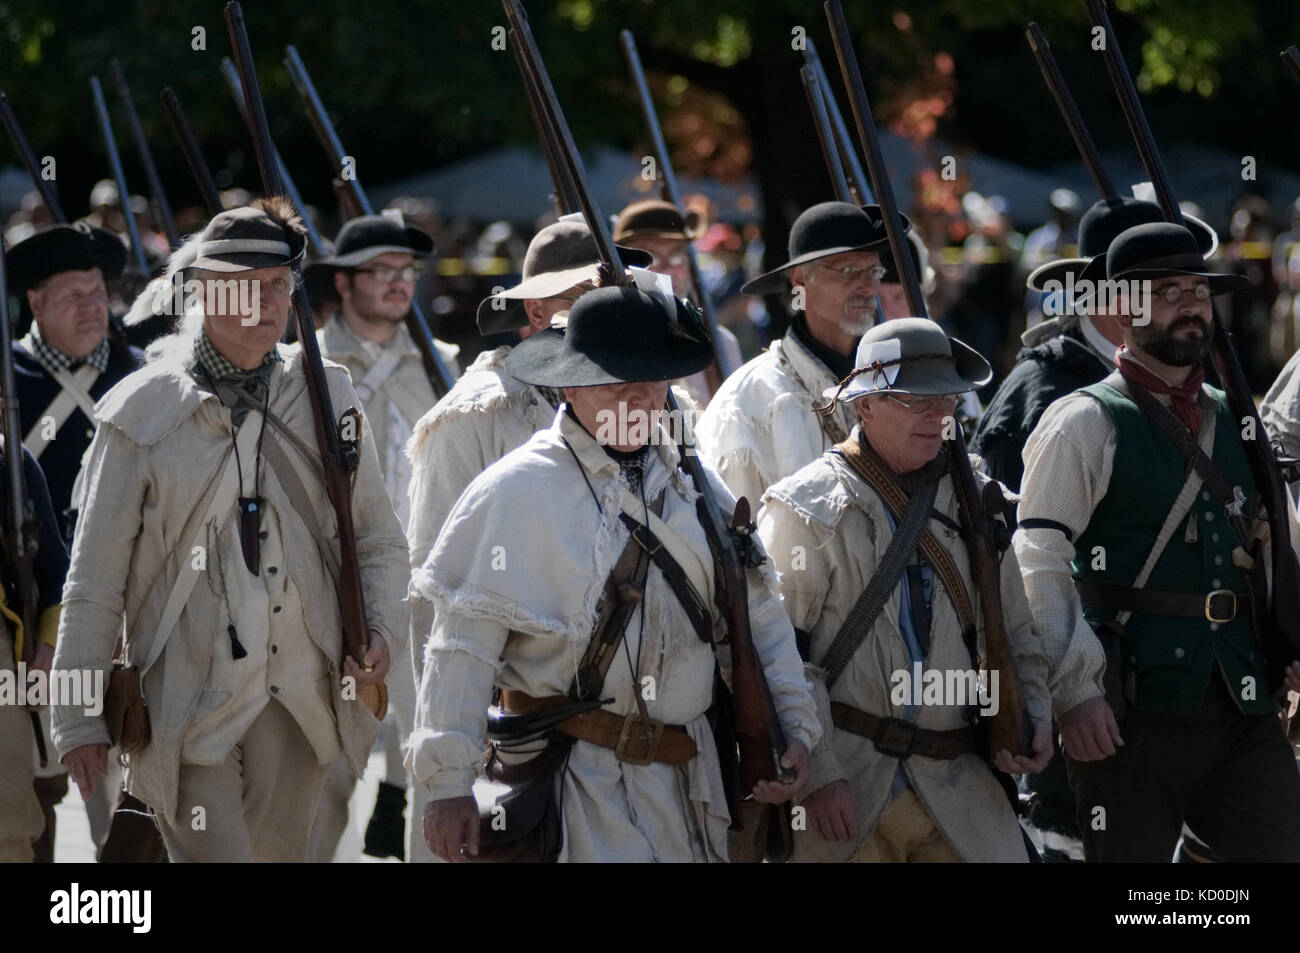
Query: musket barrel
[
  {"x": 861, "y": 107},
  {"x": 821, "y": 121},
  {"x": 27, "y": 155},
  {"x": 159, "y": 196},
  {"x": 848, "y": 155},
  {"x": 190, "y": 149},
  {"x": 119, "y": 176},
  {"x": 1291, "y": 57},
  {"x": 1069, "y": 110}
]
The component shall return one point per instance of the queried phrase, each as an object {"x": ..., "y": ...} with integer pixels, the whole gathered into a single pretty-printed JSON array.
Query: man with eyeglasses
[
  {"x": 1144, "y": 558},
  {"x": 660, "y": 229},
  {"x": 376, "y": 262},
  {"x": 489, "y": 413},
  {"x": 209, "y": 533},
  {"x": 867, "y": 542},
  {"x": 760, "y": 425}
]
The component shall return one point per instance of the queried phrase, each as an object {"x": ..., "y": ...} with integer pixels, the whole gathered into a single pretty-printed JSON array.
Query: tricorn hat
[
  {"x": 242, "y": 239},
  {"x": 912, "y": 356},
  {"x": 655, "y": 218},
  {"x": 1098, "y": 228},
  {"x": 616, "y": 335},
  {"x": 1163, "y": 250},
  {"x": 559, "y": 256},
  {"x": 60, "y": 248},
  {"x": 825, "y": 229}
]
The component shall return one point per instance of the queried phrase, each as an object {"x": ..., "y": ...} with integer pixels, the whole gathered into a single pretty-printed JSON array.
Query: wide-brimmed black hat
[
  {"x": 1098, "y": 228},
  {"x": 912, "y": 356},
  {"x": 825, "y": 229},
  {"x": 242, "y": 239},
  {"x": 368, "y": 236},
  {"x": 559, "y": 256},
  {"x": 1163, "y": 250},
  {"x": 616, "y": 335},
  {"x": 60, "y": 248},
  {"x": 655, "y": 218}
]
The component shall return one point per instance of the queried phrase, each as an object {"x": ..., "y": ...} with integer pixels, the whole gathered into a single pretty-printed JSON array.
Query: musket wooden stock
[
  {"x": 337, "y": 463},
  {"x": 1010, "y": 727},
  {"x": 1282, "y": 640}
]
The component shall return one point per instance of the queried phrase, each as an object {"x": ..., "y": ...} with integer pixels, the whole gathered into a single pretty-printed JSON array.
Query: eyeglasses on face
[
  {"x": 386, "y": 276},
  {"x": 850, "y": 275},
  {"x": 921, "y": 405},
  {"x": 1173, "y": 294}
]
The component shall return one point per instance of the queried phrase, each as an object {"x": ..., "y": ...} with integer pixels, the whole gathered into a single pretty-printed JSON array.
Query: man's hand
[
  {"x": 376, "y": 661},
  {"x": 85, "y": 764},
  {"x": 1089, "y": 731},
  {"x": 1020, "y": 764},
  {"x": 832, "y": 812},
  {"x": 778, "y": 792},
  {"x": 450, "y": 823},
  {"x": 42, "y": 661},
  {"x": 1292, "y": 677}
]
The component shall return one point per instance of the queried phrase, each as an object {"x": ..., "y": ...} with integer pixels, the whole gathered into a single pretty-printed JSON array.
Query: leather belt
[
  {"x": 901, "y": 739},
  {"x": 631, "y": 739},
  {"x": 1221, "y": 605}
]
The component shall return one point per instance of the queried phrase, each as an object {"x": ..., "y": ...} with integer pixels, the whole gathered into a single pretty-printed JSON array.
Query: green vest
[{"x": 1170, "y": 660}]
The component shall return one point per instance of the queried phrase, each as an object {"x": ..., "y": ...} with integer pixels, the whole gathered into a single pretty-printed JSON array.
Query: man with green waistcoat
[{"x": 1137, "y": 569}]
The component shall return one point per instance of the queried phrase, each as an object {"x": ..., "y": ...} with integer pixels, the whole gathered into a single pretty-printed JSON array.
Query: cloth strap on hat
[
  {"x": 878, "y": 369},
  {"x": 230, "y": 246},
  {"x": 1183, "y": 260}
]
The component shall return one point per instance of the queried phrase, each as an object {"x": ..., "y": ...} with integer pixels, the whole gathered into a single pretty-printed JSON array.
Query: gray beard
[
  {"x": 1165, "y": 348},
  {"x": 856, "y": 327}
]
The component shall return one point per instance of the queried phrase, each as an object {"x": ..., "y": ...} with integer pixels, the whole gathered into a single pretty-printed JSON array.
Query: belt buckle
[
  {"x": 656, "y": 732},
  {"x": 636, "y": 534},
  {"x": 1209, "y": 605},
  {"x": 890, "y": 735}
]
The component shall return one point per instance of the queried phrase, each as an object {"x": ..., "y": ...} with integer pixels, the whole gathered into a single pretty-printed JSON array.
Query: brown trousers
[{"x": 906, "y": 834}]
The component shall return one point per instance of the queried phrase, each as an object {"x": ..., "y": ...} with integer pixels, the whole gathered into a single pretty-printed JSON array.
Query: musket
[
  {"x": 27, "y": 155},
  {"x": 563, "y": 196},
  {"x": 22, "y": 530},
  {"x": 1069, "y": 110},
  {"x": 189, "y": 144},
  {"x": 440, "y": 377},
  {"x": 858, "y": 181},
  {"x": 721, "y": 366},
  {"x": 1281, "y": 641},
  {"x": 825, "y": 136},
  {"x": 338, "y": 456},
  {"x": 1010, "y": 728},
  {"x": 234, "y": 80},
  {"x": 119, "y": 176},
  {"x": 760, "y": 740},
  {"x": 162, "y": 208},
  {"x": 1291, "y": 57}
]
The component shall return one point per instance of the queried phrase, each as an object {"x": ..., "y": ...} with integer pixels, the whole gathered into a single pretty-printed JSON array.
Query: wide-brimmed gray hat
[
  {"x": 559, "y": 256},
  {"x": 912, "y": 356}
]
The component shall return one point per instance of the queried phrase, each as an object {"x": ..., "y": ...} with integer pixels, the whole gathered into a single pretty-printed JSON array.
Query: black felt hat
[
  {"x": 242, "y": 239},
  {"x": 60, "y": 248},
  {"x": 825, "y": 229},
  {"x": 1163, "y": 250},
  {"x": 1098, "y": 228},
  {"x": 616, "y": 335}
]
